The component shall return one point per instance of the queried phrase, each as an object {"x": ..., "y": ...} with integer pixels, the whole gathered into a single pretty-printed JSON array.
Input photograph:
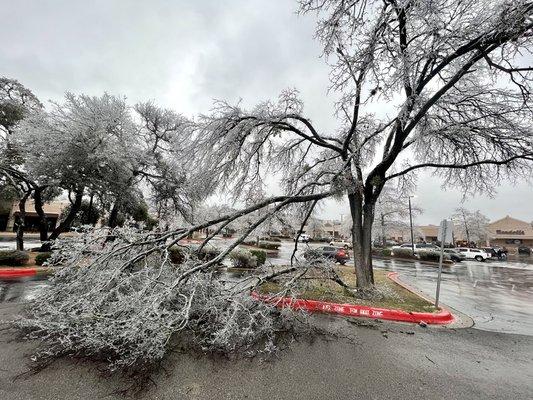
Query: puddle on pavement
[{"x": 21, "y": 290}]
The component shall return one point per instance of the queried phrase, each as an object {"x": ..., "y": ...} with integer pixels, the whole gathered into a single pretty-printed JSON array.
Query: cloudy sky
[{"x": 183, "y": 54}]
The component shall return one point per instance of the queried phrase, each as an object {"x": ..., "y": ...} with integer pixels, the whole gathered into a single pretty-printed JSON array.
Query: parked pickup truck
[{"x": 473, "y": 254}]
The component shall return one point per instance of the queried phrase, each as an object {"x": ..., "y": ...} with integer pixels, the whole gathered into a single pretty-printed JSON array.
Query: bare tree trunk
[
  {"x": 90, "y": 211},
  {"x": 21, "y": 220},
  {"x": 362, "y": 240},
  {"x": 113, "y": 215},
  {"x": 65, "y": 225},
  {"x": 43, "y": 222}
]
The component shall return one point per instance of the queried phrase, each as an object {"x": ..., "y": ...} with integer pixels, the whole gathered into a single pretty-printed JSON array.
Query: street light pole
[{"x": 411, "y": 223}]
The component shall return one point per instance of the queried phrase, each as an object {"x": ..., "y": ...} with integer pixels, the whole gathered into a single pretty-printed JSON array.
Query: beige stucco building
[
  {"x": 53, "y": 211},
  {"x": 511, "y": 232}
]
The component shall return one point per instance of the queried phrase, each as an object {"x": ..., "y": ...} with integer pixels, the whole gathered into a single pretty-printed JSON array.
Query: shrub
[
  {"x": 431, "y": 255},
  {"x": 269, "y": 246},
  {"x": 243, "y": 259},
  {"x": 208, "y": 253},
  {"x": 383, "y": 252},
  {"x": 314, "y": 257},
  {"x": 41, "y": 258},
  {"x": 271, "y": 239},
  {"x": 13, "y": 257},
  {"x": 260, "y": 255},
  {"x": 403, "y": 253},
  {"x": 177, "y": 254},
  {"x": 263, "y": 245}
]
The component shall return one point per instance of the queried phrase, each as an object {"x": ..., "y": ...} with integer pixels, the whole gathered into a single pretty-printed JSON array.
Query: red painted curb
[
  {"x": 11, "y": 273},
  {"x": 355, "y": 310}
]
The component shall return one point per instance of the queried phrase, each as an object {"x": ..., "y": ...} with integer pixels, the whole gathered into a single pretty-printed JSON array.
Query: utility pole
[
  {"x": 445, "y": 235},
  {"x": 411, "y": 223}
]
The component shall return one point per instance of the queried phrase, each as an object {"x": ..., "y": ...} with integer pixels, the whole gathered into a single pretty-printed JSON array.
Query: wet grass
[{"x": 388, "y": 293}]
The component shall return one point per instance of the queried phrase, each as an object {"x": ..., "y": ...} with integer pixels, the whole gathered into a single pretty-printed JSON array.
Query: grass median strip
[{"x": 390, "y": 295}]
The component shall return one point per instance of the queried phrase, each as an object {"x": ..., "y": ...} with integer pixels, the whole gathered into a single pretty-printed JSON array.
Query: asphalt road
[
  {"x": 380, "y": 361},
  {"x": 377, "y": 361}
]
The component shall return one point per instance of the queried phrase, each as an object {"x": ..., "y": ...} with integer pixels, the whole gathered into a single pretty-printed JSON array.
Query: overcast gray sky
[{"x": 183, "y": 54}]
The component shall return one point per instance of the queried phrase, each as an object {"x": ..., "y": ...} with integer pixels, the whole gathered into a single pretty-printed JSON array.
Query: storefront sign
[{"x": 517, "y": 232}]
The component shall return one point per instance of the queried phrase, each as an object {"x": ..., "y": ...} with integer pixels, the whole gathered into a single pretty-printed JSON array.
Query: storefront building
[
  {"x": 52, "y": 211},
  {"x": 511, "y": 233}
]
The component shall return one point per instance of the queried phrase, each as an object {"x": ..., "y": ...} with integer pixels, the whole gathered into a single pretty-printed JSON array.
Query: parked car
[
  {"x": 473, "y": 254},
  {"x": 490, "y": 250},
  {"x": 454, "y": 255},
  {"x": 524, "y": 250},
  {"x": 341, "y": 243},
  {"x": 303, "y": 238},
  {"x": 418, "y": 246},
  {"x": 340, "y": 255},
  {"x": 502, "y": 252}
]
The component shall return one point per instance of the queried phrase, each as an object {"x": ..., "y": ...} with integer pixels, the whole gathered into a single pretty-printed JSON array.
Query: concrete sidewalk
[{"x": 378, "y": 361}]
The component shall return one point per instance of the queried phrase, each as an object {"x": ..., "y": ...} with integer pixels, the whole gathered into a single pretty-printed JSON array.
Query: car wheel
[
  {"x": 478, "y": 258},
  {"x": 342, "y": 262}
]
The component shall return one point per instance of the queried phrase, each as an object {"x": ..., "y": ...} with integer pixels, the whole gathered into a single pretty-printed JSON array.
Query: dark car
[
  {"x": 338, "y": 254},
  {"x": 501, "y": 252},
  {"x": 454, "y": 255},
  {"x": 524, "y": 250}
]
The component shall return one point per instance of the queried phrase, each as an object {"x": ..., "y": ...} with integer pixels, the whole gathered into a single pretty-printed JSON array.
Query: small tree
[
  {"x": 16, "y": 103},
  {"x": 93, "y": 148},
  {"x": 472, "y": 225},
  {"x": 391, "y": 211}
]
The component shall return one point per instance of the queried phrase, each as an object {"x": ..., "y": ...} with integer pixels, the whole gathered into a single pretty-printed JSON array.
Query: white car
[
  {"x": 303, "y": 238},
  {"x": 341, "y": 243},
  {"x": 473, "y": 254},
  {"x": 418, "y": 246}
]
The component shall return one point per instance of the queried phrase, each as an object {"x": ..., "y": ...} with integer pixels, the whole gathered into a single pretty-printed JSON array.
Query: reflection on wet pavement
[
  {"x": 497, "y": 298},
  {"x": 21, "y": 290},
  {"x": 12, "y": 245}
]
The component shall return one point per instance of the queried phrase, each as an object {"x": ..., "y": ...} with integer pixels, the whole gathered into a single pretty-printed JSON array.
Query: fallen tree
[{"x": 118, "y": 295}]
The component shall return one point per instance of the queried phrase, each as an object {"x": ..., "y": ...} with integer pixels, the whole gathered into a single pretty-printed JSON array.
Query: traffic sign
[{"x": 445, "y": 234}]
